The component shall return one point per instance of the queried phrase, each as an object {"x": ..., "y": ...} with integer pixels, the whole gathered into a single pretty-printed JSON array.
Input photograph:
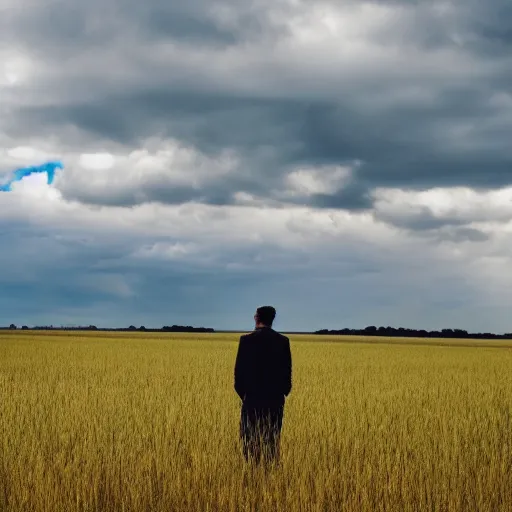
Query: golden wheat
[{"x": 149, "y": 422}]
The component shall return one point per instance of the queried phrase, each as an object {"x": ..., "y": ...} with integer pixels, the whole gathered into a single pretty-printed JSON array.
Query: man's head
[{"x": 265, "y": 316}]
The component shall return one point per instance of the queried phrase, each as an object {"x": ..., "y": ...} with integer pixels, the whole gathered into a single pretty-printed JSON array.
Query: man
[{"x": 263, "y": 378}]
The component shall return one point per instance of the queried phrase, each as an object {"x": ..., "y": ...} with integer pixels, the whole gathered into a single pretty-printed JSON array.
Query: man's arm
[
  {"x": 287, "y": 368},
  {"x": 240, "y": 368}
]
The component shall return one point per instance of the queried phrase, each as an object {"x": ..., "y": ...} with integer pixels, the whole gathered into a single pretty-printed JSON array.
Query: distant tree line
[
  {"x": 367, "y": 331},
  {"x": 165, "y": 328},
  {"x": 186, "y": 328},
  {"x": 414, "y": 333}
]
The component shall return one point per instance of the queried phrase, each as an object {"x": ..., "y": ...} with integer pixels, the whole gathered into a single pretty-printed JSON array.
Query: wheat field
[{"x": 149, "y": 422}]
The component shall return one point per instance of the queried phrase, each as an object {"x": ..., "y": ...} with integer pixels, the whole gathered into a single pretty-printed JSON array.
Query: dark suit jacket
[{"x": 263, "y": 368}]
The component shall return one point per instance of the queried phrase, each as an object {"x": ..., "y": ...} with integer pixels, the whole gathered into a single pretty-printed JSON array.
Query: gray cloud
[
  {"x": 463, "y": 234},
  {"x": 406, "y": 95},
  {"x": 434, "y": 124},
  {"x": 422, "y": 219},
  {"x": 67, "y": 279}
]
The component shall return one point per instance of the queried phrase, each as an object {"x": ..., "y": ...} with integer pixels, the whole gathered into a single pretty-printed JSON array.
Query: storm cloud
[{"x": 327, "y": 122}]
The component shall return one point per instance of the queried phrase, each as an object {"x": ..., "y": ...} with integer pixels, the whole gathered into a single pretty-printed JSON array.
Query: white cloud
[
  {"x": 96, "y": 161},
  {"x": 461, "y": 204},
  {"x": 137, "y": 175},
  {"x": 325, "y": 180},
  {"x": 166, "y": 251},
  {"x": 15, "y": 67},
  {"x": 27, "y": 154}
]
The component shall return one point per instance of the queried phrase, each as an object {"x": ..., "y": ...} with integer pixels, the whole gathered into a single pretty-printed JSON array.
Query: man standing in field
[{"x": 263, "y": 378}]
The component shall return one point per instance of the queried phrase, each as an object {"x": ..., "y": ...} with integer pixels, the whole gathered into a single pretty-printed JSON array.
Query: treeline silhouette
[
  {"x": 367, "y": 331},
  {"x": 165, "y": 328},
  {"x": 414, "y": 333}
]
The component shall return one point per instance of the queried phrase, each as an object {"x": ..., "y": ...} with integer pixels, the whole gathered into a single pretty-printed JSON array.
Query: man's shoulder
[
  {"x": 246, "y": 336},
  {"x": 278, "y": 335},
  {"x": 282, "y": 337},
  {"x": 265, "y": 333}
]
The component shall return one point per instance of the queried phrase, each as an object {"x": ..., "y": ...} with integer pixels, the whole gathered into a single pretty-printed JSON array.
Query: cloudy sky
[{"x": 348, "y": 162}]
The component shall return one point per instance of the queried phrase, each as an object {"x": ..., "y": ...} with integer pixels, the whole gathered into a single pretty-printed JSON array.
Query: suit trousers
[{"x": 261, "y": 422}]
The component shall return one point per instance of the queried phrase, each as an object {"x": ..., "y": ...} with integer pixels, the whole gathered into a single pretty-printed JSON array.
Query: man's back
[
  {"x": 263, "y": 378},
  {"x": 263, "y": 368}
]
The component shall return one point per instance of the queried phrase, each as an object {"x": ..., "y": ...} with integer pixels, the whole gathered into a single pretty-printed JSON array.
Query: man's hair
[{"x": 266, "y": 315}]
